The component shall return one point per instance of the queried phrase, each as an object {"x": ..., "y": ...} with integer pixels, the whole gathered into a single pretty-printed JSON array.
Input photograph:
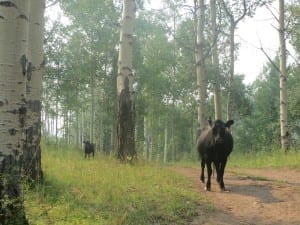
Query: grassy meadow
[
  {"x": 265, "y": 159},
  {"x": 102, "y": 191}
]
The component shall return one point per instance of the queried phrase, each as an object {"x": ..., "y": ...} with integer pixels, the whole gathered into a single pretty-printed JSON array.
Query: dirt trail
[{"x": 254, "y": 197}]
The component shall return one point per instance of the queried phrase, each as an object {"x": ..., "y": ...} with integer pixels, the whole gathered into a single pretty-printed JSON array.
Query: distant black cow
[
  {"x": 88, "y": 149},
  {"x": 214, "y": 145}
]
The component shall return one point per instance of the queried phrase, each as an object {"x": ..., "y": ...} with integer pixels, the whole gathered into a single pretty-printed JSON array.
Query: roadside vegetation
[
  {"x": 103, "y": 191},
  {"x": 266, "y": 159},
  {"x": 275, "y": 158}
]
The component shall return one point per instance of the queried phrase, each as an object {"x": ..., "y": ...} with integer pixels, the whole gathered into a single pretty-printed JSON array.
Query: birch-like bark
[
  {"x": 166, "y": 143},
  {"x": 126, "y": 103},
  {"x": 13, "y": 73},
  {"x": 146, "y": 139},
  {"x": 77, "y": 127},
  {"x": 285, "y": 139},
  {"x": 233, "y": 24},
  {"x": 215, "y": 61},
  {"x": 200, "y": 71},
  {"x": 231, "y": 72},
  {"x": 92, "y": 107},
  {"x": 32, "y": 154}
]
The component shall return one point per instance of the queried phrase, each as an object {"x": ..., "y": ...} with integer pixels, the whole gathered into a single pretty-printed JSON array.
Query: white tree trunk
[
  {"x": 78, "y": 130},
  {"x": 56, "y": 121},
  {"x": 200, "y": 71},
  {"x": 285, "y": 139},
  {"x": 13, "y": 71},
  {"x": 166, "y": 144},
  {"x": 83, "y": 138},
  {"x": 233, "y": 24},
  {"x": 32, "y": 153},
  {"x": 146, "y": 138},
  {"x": 92, "y": 108},
  {"x": 215, "y": 61},
  {"x": 126, "y": 103},
  {"x": 125, "y": 51},
  {"x": 150, "y": 140},
  {"x": 231, "y": 72}
]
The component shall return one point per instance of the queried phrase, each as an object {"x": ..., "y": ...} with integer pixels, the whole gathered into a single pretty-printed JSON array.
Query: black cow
[
  {"x": 88, "y": 149},
  {"x": 214, "y": 145}
]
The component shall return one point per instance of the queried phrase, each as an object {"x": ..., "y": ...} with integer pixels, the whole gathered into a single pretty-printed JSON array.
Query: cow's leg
[
  {"x": 209, "y": 172},
  {"x": 202, "y": 170},
  {"x": 217, "y": 167},
  {"x": 222, "y": 169}
]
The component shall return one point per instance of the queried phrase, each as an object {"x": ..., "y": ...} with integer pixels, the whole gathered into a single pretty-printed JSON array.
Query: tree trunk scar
[
  {"x": 23, "y": 62},
  {"x": 8, "y": 4}
]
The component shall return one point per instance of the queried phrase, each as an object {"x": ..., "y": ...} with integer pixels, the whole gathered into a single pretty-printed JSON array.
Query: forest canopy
[{"x": 79, "y": 97}]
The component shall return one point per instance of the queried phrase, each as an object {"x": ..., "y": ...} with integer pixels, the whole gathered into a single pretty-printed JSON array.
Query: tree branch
[
  {"x": 52, "y": 3},
  {"x": 269, "y": 58},
  {"x": 243, "y": 15},
  {"x": 273, "y": 14}
]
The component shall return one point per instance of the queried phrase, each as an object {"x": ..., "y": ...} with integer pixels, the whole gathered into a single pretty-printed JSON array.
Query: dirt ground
[{"x": 253, "y": 197}]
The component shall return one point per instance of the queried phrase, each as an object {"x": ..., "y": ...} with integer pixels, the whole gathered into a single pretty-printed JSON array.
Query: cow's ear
[{"x": 229, "y": 123}]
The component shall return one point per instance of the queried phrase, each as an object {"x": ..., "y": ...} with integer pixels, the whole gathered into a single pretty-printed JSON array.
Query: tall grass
[
  {"x": 103, "y": 191},
  {"x": 275, "y": 158},
  {"x": 265, "y": 159}
]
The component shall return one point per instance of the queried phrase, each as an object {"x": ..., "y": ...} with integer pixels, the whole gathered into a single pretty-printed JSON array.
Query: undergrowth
[
  {"x": 102, "y": 191},
  {"x": 265, "y": 159}
]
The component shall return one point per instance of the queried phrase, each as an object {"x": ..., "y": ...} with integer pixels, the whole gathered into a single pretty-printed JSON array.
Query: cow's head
[
  {"x": 219, "y": 129},
  {"x": 86, "y": 142}
]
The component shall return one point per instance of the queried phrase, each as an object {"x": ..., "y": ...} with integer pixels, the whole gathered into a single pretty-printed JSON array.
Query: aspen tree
[
  {"x": 126, "y": 103},
  {"x": 285, "y": 143},
  {"x": 200, "y": 71},
  {"x": 32, "y": 151},
  {"x": 215, "y": 61},
  {"x": 13, "y": 73}
]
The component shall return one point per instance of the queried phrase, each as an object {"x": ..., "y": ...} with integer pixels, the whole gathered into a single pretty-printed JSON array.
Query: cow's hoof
[
  {"x": 207, "y": 189},
  {"x": 225, "y": 190},
  {"x": 202, "y": 179}
]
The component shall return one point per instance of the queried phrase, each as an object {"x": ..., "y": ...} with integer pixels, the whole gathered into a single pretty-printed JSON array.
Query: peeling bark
[
  {"x": 11, "y": 201},
  {"x": 126, "y": 126}
]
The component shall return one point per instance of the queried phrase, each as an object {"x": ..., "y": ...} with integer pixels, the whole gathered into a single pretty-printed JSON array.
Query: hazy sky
[{"x": 252, "y": 34}]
